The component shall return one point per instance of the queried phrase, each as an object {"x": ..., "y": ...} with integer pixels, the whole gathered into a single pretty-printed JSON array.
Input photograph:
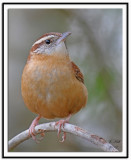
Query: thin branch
[{"x": 98, "y": 141}]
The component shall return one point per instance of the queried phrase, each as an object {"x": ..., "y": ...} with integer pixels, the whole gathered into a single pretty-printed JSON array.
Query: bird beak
[{"x": 63, "y": 37}]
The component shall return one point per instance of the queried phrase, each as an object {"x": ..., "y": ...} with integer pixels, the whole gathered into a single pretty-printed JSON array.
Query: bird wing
[{"x": 77, "y": 72}]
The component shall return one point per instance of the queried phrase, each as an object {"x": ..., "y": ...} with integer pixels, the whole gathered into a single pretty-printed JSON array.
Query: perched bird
[{"x": 52, "y": 85}]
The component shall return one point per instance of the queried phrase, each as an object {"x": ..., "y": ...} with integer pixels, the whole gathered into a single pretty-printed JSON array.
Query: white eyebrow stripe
[{"x": 43, "y": 39}]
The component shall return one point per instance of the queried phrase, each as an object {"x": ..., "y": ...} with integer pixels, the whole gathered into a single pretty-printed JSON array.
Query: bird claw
[
  {"x": 33, "y": 134},
  {"x": 32, "y": 130},
  {"x": 61, "y": 123},
  {"x": 63, "y": 137}
]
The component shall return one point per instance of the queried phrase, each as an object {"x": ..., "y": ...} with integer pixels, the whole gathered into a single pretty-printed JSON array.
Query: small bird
[{"x": 52, "y": 85}]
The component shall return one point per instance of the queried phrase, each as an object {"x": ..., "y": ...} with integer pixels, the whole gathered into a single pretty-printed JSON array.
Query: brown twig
[{"x": 99, "y": 141}]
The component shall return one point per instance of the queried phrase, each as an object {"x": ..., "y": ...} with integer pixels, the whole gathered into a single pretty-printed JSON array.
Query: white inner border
[{"x": 59, "y": 154}]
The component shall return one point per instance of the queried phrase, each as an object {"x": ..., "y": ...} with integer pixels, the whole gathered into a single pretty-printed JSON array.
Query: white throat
[{"x": 61, "y": 48}]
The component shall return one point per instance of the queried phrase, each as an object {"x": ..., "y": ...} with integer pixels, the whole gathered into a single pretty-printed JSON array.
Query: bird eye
[{"x": 47, "y": 41}]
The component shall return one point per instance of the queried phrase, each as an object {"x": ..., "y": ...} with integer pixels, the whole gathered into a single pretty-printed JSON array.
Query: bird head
[{"x": 50, "y": 43}]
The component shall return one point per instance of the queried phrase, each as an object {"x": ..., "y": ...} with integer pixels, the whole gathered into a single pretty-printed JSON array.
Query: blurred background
[{"x": 95, "y": 45}]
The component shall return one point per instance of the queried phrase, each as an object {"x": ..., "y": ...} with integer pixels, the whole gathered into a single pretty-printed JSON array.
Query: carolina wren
[{"x": 52, "y": 85}]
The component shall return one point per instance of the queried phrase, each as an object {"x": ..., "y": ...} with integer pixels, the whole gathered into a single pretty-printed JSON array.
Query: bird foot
[
  {"x": 32, "y": 130},
  {"x": 61, "y": 123}
]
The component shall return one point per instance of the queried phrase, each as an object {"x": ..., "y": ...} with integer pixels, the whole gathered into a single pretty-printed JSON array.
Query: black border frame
[{"x": 127, "y": 52}]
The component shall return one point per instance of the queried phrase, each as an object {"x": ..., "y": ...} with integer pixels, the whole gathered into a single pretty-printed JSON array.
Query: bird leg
[
  {"x": 32, "y": 129},
  {"x": 61, "y": 123}
]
